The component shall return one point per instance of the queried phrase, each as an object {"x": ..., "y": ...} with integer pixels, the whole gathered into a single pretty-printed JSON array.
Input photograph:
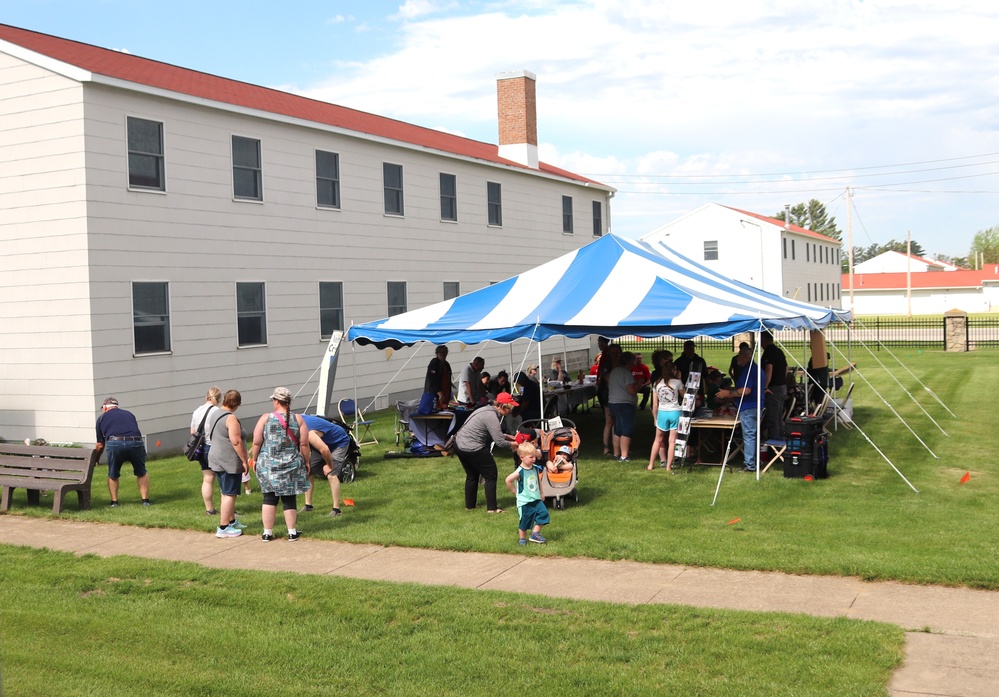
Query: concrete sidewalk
[{"x": 952, "y": 644}]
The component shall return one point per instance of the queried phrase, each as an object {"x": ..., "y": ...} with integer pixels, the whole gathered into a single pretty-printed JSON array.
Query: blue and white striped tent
[{"x": 613, "y": 287}]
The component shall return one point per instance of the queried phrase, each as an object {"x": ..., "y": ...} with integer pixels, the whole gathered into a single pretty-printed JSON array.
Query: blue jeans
[
  {"x": 122, "y": 451},
  {"x": 747, "y": 419}
]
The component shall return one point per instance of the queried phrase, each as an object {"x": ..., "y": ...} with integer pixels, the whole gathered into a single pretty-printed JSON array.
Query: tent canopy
[{"x": 612, "y": 286}]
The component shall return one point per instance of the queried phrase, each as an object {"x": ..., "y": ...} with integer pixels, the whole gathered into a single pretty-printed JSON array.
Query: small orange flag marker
[
  {"x": 157, "y": 444},
  {"x": 348, "y": 502},
  {"x": 966, "y": 478},
  {"x": 734, "y": 521}
]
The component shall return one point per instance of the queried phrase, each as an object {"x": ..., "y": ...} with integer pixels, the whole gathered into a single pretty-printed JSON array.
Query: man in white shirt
[{"x": 470, "y": 384}]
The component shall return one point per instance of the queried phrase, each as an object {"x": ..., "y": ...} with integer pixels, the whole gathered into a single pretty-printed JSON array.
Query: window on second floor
[
  {"x": 392, "y": 180},
  {"x": 449, "y": 197},
  {"x": 710, "y": 250},
  {"x": 145, "y": 154},
  {"x": 598, "y": 219},
  {"x": 247, "y": 173},
  {"x": 330, "y": 308},
  {"x": 327, "y": 179},
  {"x": 494, "y": 198},
  {"x": 567, "y": 214},
  {"x": 452, "y": 289},
  {"x": 251, "y": 314},
  {"x": 151, "y": 317},
  {"x": 396, "y": 291}
]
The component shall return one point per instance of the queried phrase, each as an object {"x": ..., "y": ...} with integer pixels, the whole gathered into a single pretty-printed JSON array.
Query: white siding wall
[
  {"x": 201, "y": 241},
  {"x": 809, "y": 279},
  {"x": 924, "y": 301},
  {"x": 45, "y": 344},
  {"x": 752, "y": 251}
]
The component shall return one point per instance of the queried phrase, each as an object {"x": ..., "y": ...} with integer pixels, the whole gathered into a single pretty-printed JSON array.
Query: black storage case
[{"x": 807, "y": 451}]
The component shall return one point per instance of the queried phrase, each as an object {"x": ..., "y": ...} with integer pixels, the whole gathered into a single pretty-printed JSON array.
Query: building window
[
  {"x": 449, "y": 197},
  {"x": 452, "y": 289},
  {"x": 598, "y": 219},
  {"x": 808, "y": 252},
  {"x": 785, "y": 247},
  {"x": 809, "y": 292},
  {"x": 567, "y": 214},
  {"x": 711, "y": 250},
  {"x": 494, "y": 197},
  {"x": 396, "y": 297},
  {"x": 327, "y": 179},
  {"x": 251, "y": 314},
  {"x": 145, "y": 154},
  {"x": 793, "y": 257},
  {"x": 330, "y": 308},
  {"x": 247, "y": 175},
  {"x": 151, "y": 317},
  {"x": 392, "y": 179}
]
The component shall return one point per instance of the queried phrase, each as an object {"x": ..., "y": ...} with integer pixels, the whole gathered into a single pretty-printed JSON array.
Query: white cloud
[
  {"x": 412, "y": 9},
  {"x": 736, "y": 88}
]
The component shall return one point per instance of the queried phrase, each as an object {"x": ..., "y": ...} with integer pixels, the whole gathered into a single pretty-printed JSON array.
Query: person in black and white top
[
  {"x": 205, "y": 414},
  {"x": 666, "y": 395}
]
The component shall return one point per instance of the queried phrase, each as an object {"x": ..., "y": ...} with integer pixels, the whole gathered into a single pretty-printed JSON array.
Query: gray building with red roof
[{"x": 165, "y": 230}]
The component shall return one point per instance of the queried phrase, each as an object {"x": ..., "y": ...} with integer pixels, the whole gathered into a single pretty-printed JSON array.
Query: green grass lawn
[
  {"x": 124, "y": 626},
  {"x": 862, "y": 521},
  {"x": 73, "y": 626}
]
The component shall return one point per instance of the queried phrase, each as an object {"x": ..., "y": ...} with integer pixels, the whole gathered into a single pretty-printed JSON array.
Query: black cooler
[{"x": 807, "y": 453}]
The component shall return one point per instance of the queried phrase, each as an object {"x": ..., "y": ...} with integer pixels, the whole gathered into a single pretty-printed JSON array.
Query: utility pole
[
  {"x": 908, "y": 272},
  {"x": 849, "y": 242}
]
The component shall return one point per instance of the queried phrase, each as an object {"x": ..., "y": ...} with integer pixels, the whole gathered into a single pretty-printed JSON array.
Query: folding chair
[
  {"x": 351, "y": 414},
  {"x": 834, "y": 415},
  {"x": 777, "y": 448}
]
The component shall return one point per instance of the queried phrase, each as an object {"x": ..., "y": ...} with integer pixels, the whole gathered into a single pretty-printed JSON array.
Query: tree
[
  {"x": 986, "y": 244},
  {"x": 813, "y": 216},
  {"x": 956, "y": 261}
]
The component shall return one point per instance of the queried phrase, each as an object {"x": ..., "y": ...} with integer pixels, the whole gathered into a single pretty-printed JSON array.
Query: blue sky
[{"x": 752, "y": 104}]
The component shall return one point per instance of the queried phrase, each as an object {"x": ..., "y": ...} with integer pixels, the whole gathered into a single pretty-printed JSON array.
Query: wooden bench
[{"x": 45, "y": 468}]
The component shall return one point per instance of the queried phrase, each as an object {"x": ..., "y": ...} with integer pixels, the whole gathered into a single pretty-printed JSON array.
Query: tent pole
[
  {"x": 757, "y": 395},
  {"x": 353, "y": 366},
  {"x": 541, "y": 387}
]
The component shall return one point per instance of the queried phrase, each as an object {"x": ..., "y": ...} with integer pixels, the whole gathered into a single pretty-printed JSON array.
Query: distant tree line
[{"x": 813, "y": 216}]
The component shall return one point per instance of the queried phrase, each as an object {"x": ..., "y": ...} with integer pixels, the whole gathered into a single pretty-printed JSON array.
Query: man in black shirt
[{"x": 774, "y": 377}]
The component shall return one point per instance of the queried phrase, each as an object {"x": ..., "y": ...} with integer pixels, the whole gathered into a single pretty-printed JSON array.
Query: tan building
[{"x": 164, "y": 230}]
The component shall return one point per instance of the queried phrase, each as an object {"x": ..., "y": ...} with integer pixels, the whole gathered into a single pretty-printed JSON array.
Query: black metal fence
[{"x": 890, "y": 332}]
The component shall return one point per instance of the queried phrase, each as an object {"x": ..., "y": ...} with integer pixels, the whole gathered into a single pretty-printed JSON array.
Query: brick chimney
[{"x": 518, "y": 117}]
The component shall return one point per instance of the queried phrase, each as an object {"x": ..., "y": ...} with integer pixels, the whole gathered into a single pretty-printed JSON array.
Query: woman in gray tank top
[{"x": 228, "y": 460}]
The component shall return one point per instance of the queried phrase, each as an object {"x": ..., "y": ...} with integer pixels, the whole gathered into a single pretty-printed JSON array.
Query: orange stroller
[{"x": 560, "y": 445}]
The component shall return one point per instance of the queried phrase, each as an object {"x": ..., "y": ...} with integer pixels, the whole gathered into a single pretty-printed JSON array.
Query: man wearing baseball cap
[{"x": 118, "y": 433}]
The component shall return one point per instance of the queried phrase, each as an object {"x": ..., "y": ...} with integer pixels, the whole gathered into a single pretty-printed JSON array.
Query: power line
[
  {"x": 755, "y": 192},
  {"x": 848, "y": 172}
]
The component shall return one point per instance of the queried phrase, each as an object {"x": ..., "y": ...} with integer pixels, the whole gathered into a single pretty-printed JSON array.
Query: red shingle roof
[
  {"x": 791, "y": 228},
  {"x": 143, "y": 71},
  {"x": 965, "y": 278}
]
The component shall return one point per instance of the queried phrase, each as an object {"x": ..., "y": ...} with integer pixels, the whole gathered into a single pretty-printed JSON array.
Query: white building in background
[
  {"x": 164, "y": 230},
  {"x": 972, "y": 291},
  {"x": 896, "y": 262},
  {"x": 763, "y": 252}
]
